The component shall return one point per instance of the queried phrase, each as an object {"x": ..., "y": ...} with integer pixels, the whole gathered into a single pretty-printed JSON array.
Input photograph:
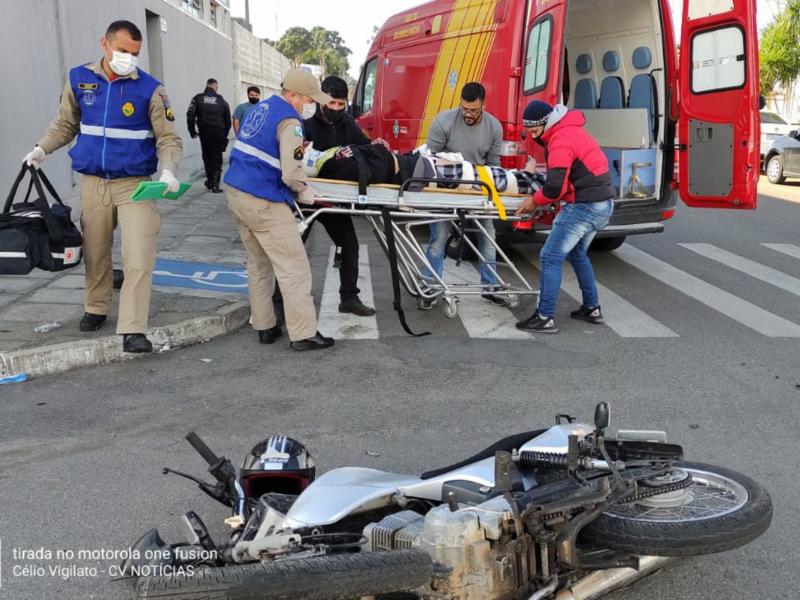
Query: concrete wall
[
  {"x": 40, "y": 40},
  {"x": 256, "y": 63}
]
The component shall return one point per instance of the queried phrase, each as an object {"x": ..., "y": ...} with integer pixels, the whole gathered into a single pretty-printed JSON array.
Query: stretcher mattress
[{"x": 429, "y": 199}]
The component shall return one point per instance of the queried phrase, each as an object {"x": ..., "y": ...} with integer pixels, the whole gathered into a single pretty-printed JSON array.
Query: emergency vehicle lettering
[
  {"x": 408, "y": 32},
  {"x": 411, "y": 17}
]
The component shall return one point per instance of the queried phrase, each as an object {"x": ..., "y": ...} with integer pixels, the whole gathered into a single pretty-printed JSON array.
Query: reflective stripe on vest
[
  {"x": 114, "y": 132},
  {"x": 259, "y": 154}
]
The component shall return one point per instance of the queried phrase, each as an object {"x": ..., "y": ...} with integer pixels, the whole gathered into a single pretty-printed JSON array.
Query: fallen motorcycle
[{"x": 569, "y": 513}]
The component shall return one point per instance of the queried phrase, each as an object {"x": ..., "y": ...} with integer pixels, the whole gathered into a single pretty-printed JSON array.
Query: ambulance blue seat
[
  {"x": 585, "y": 94},
  {"x": 643, "y": 87},
  {"x": 612, "y": 93},
  {"x": 612, "y": 90},
  {"x": 643, "y": 95}
]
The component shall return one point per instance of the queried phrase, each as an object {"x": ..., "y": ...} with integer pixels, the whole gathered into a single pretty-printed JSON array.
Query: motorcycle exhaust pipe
[{"x": 600, "y": 583}]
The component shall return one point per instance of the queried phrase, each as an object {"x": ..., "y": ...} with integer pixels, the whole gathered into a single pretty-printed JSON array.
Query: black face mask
[
  {"x": 253, "y": 100},
  {"x": 334, "y": 116}
]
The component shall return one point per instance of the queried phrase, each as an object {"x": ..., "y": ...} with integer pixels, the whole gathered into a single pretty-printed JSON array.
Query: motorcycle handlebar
[{"x": 202, "y": 449}]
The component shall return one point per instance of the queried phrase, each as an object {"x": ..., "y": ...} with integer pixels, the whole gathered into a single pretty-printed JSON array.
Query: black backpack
[{"x": 34, "y": 234}]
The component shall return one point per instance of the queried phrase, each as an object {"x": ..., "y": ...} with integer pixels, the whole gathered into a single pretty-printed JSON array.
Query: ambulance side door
[
  {"x": 542, "y": 57},
  {"x": 719, "y": 95}
]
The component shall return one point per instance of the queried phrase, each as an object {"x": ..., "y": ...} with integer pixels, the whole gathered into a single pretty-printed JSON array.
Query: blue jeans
[
  {"x": 435, "y": 253},
  {"x": 573, "y": 230}
]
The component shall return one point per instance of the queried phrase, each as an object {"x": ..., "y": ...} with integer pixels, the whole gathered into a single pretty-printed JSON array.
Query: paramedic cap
[
  {"x": 303, "y": 82},
  {"x": 536, "y": 113}
]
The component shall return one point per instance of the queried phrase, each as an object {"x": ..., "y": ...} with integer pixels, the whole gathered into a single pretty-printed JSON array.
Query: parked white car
[{"x": 773, "y": 126}]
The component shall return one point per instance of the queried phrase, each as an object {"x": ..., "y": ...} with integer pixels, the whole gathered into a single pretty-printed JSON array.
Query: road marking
[
  {"x": 481, "y": 318},
  {"x": 621, "y": 316},
  {"x": 731, "y": 306},
  {"x": 346, "y": 326},
  {"x": 789, "y": 249},
  {"x": 762, "y": 272}
]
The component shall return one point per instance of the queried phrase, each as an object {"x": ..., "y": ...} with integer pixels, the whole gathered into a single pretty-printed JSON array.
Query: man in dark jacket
[
  {"x": 209, "y": 113},
  {"x": 332, "y": 126},
  {"x": 578, "y": 177}
]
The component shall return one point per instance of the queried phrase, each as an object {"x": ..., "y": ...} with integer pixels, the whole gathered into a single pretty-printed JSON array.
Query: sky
[{"x": 354, "y": 19}]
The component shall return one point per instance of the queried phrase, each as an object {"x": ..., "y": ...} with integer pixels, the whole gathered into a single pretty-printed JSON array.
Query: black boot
[
  {"x": 91, "y": 322},
  {"x": 136, "y": 343},
  {"x": 353, "y": 305},
  {"x": 215, "y": 182},
  {"x": 268, "y": 336}
]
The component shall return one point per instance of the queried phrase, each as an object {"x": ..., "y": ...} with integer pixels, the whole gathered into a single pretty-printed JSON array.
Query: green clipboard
[{"x": 154, "y": 190}]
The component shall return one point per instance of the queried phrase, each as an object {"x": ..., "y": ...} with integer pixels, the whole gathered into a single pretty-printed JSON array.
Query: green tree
[
  {"x": 318, "y": 46},
  {"x": 779, "y": 52}
]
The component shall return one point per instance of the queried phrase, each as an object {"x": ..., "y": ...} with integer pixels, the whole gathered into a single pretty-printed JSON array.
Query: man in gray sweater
[{"x": 477, "y": 135}]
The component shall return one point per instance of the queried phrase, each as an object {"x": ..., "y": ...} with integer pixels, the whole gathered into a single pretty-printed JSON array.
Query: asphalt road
[{"x": 80, "y": 454}]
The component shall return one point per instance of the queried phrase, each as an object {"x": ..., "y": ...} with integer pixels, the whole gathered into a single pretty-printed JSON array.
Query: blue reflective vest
[
  {"x": 116, "y": 137},
  {"x": 255, "y": 165}
]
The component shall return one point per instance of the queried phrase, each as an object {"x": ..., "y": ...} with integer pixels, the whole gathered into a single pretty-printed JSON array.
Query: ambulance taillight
[{"x": 512, "y": 149}]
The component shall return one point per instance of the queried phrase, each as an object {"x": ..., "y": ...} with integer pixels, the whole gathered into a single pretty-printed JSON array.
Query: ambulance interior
[{"x": 615, "y": 51}]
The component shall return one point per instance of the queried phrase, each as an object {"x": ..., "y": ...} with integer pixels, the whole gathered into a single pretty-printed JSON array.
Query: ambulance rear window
[{"x": 537, "y": 57}]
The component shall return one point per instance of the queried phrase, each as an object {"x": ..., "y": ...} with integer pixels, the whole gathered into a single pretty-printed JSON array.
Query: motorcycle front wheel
[
  {"x": 334, "y": 577},
  {"x": 719, "y": 510}
]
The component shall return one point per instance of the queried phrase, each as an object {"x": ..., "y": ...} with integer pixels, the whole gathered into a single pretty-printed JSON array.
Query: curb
[{"x": 58, "y": 358}]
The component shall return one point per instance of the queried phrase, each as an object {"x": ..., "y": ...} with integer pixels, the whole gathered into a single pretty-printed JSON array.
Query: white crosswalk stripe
[
  {"x": 342, "y": 326},
  {"x": 625, "y": 319},
  {"x": 731, "y": 306},
  {"x": 788, "y": 249},
  {"x": 481, "y": 318},
  {"x": 747, "y": 266}
]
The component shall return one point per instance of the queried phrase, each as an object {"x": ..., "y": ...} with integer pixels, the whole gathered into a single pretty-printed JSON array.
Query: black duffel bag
[{"x": 34, "y": 234}]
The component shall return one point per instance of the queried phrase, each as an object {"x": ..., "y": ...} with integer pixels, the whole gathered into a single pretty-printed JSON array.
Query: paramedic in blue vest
[
  {"x": 264, "y": 179},
  {"x": 123, "y": 121}
]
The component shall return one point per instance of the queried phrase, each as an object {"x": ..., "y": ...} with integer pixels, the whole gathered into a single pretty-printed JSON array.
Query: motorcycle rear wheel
[
  {"x": 335, "y": 577},
  {"x": 720, "y": 510}
]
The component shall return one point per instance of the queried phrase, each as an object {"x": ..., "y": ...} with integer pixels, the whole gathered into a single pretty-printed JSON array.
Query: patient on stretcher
[{"x": 376, "y": 164}]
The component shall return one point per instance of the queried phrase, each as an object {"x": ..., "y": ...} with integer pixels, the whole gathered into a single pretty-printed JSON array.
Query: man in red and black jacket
[{"x": 578, "y": 177}]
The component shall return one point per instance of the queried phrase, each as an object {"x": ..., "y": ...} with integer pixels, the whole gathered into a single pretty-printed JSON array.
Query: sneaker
[
  {"x": 589, "y": 314},
  {"x": 427, "y": 303},
  {"x": 497, "y": 300},
  {"x": 536, "y": 323}
]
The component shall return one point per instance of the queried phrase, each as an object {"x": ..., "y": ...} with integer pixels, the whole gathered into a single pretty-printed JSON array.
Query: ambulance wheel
[
  {"x": 775, "y": 170},
  {"x": 607, "y": 244},
  {"x": 450, "y": 308}
]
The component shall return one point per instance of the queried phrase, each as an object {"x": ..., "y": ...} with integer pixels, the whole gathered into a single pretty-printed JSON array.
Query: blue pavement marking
[{"x": 200, "y": 276}]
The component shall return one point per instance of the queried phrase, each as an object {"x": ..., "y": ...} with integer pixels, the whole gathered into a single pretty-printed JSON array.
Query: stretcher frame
[{"x": 406, "y": 211}]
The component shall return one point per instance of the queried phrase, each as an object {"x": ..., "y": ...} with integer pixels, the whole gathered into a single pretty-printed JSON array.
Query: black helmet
[{"x": 276, "y": 464}]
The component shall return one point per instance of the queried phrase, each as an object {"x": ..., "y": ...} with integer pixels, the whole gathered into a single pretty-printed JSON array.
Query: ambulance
[{"x": 677, "y": 114}]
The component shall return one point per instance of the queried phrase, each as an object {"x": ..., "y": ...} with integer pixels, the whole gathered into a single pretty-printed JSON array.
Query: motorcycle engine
[{"x": 471, "y": 541}]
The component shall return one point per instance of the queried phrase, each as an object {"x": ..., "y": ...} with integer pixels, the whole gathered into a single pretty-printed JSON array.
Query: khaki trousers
[
  {"x": 104, "y": 203},
  {"x": 274, "y": 250}
]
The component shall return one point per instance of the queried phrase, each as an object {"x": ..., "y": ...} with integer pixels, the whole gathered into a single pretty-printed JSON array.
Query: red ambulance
[{"x": 673, "y": 120}]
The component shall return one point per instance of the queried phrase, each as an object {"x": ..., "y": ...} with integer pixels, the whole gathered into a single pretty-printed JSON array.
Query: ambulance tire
[{"x": 607, "y": 244}]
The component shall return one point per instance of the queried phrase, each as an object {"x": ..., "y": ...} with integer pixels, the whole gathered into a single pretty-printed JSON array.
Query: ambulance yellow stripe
[
  {"x": 463, "y": 45},
  {"x": 442, "y": 68},
  {"x": 455, "y": 51},
  {"x": 485, "y": 57},
  {"x": 467, "y": 46}
]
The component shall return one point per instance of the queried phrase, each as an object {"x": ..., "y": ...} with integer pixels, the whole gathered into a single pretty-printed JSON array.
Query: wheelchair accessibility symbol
[{"x": 200, "y": 276}]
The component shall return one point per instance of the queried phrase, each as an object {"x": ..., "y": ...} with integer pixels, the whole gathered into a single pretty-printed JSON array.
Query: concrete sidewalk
[{"x": 39, "y": 312}]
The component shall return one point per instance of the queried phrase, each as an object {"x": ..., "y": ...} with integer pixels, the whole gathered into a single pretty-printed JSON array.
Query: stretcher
[{"x": 396, "y": 213}]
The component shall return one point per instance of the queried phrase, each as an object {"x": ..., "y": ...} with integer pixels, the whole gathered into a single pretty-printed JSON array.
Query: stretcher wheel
[{"x": 450, "y": 308}]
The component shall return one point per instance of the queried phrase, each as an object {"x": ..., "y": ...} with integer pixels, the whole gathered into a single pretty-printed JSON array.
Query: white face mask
[
  {"x": 122, "y": 63},
  {"x": 309, "y": 110}
]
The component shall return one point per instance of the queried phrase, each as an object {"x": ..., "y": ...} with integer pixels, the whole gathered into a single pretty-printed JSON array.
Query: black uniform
[
  {"x": 212, "y": 116},
  {"x": 324, "y": 134}
]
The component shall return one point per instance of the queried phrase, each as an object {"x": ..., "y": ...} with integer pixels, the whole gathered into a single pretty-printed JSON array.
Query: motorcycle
[{"x": 566, "y": 513}]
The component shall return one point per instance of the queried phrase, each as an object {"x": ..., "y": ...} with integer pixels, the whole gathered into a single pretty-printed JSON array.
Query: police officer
[
  {"x": 209, "y": 113},
  {"x": 123, "y": 121},
  {"x": 264, "y": 175}
]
